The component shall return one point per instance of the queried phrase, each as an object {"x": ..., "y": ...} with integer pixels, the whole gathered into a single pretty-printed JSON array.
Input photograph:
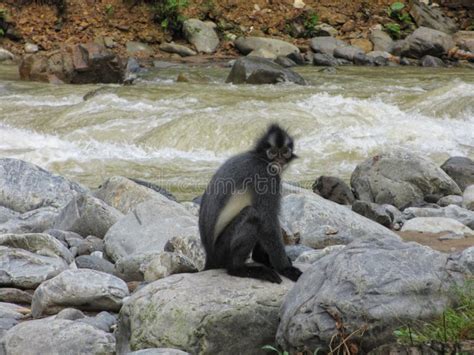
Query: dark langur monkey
[{"x": 239, "y": 211}]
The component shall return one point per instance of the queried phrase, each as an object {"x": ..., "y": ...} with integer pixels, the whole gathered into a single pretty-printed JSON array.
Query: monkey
[{"x": 239, "y": 211}]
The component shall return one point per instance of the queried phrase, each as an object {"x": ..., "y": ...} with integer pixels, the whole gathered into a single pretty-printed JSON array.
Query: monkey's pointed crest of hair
[{"x": 274, "y": 135}]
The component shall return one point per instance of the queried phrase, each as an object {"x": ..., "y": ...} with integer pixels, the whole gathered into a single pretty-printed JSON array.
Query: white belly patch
[{"x": 236, "y": 203}]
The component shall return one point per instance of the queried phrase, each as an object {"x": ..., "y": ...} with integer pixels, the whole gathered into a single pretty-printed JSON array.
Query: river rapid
[{"x": 176, "y": 134}]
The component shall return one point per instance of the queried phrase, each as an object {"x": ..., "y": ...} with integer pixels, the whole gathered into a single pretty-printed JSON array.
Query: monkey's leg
[{"x": 260, "y": 255}]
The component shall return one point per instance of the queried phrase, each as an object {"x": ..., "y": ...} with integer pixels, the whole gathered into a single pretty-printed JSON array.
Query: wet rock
[
  {"x": 334, "y": 189},
  {"x": 431, "y": 17},
  {"x": 134, "y": 47},
  {"x": 297, "y": 57},
  {"x": 25, "y": 187},
  {"x": 7, "y": 214},
  {"x": 31, "y": 48},
  {"x": 83, "y": 289},
  {"x": 23, "y": 269},
  {"x": 324, "y": 30},
  {"x": 262, "y": 53},
  {"x": 254, "y": 70},
  {"x": 322, "y": 59},
  {"x": 426, "y": 41},
  {"x": 207, "y": 308},
  {"x": 461, "y": 170},
  {"x": 464, "y": 40},
  {"x": 189, "y": 246},
  {"x": 56, "y": 336},
  {"x": 400, "y": 178},
  {"x": 248, "y": 44},
  {"x": 347, "y": 52},
  {"x": 313, "y": 255},
  {"x": 38, "y": 243},
  {"x": 125, "y": 194},
  {"x": 201, "y": 35},
  {"x": 103, "y": 321},
  {"x": 430, "y": 61},
  {"x": 321, "y": 223},
  {"x": 374, "y": 212},
  {"x": 183, "y": 51},
  {"x": 76, "y": 64},
  {"x": 70, "y": 314},
  {"x": 450, "y": 200},
  {"x": 468, "y": 198},
  {"x": 381, "y": 40},
  {"x": 462, "y": 215},
  {"x": 129, "y": 268},
  {"x": 15, "y": 295},
  {"x": 35, "y": 221},
  {"x": 326, "y": 45},
  {"x": 166, "y": 264},
  {"x": 159, "y": 351},
  {"x": 95, "y": 263},
  {"x": 438, "y": 225},
  {"x": 87, "y": 215},
  {"x": 294, "y": 251},
  {"x": 370, "y": 284},
  {"x": 285, "y": 62},
  {"x": 148, "y": 227}
]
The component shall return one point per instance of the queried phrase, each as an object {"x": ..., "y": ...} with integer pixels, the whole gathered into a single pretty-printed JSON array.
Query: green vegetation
[
  {"x": 455, "y": 325},
  {"x": 303, "y": 25},
  {"x": 393, "y": 30},
  {"x": 168, "y": 13},
  {"x": 109, "y": 10},
  {"x": 404, "y": 25}
]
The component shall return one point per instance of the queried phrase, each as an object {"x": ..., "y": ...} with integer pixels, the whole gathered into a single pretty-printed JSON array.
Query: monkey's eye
[
  {"x": 286, "y": 152},
  {"x": 272, "y": 153}
]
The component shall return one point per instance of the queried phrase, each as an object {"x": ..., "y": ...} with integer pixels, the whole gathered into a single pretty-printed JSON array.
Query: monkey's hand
[{"x": 291, "y": 272}]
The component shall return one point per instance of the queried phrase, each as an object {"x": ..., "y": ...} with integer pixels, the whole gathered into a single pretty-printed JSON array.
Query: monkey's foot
[
  {"x": 292, "y": 273},
  {"x": 256, "y": 272}
]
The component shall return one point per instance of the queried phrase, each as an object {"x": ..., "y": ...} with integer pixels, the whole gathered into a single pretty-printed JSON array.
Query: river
[{"x": 176, "y": 134}]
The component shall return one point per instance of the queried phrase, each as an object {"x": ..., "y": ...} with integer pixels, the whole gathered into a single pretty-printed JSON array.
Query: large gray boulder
[
  {"x": 38, "y": 243},
  {"x": 201, "y": 35},
  {"x": 462, "y": 261},
  {"x": 87, "y": 215},
  {"x": 55, "y": 337},
  {"x": 431, "y": 17},
  {"x": 460, "y": 214},
  {"x": 381, "y": 40},
  {"x": 35, "y": 221},
  {"x": 189, "y": 246},
  {"x": 83, "y": 289},
  {"x": 426, "y": 41},
  {"x": 400, "y": 178},
  {"x": 207, "y": 309},
  {"x": 6, "y": 214},
  {"x": 256, "y": 70},
  {"x": 25, "y": 187},
  {"x": 26, "y": 270},
  {"x": 348, "y": 52},
  {"x": 370, "y": 287},
  {"x": 461, "y": 170},
  {"x": 148, "y": 227},
  {"x": 326, "y": 45},
  {"x": 278, "y": 47},
  {"x": 320, "y": 222}
]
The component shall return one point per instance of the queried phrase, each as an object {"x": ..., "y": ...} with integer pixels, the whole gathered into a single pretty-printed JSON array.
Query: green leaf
[
  {"x": 271, "y": 348},
  {"x": 397, "y": 6}
]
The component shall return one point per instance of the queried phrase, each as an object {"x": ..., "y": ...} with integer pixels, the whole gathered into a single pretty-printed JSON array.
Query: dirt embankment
[{"x": 132, "y": 20}]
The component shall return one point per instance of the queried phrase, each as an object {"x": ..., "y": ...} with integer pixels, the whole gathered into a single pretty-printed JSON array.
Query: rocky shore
[{"x": 118, "y": 269}]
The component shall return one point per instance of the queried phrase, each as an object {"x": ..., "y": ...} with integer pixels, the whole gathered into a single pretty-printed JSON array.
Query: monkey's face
[{"x": 277, "y": 147}]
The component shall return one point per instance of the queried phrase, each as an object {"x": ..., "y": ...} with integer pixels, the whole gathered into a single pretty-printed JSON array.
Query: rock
[
  {"x": 431, "y": 17},
  {"x": 464, "y": 40},
  {"x": 334, "y": 189},
  {"x": 363, "y": 59},
  {"x": 461, "y": 170},
  {"x": 312, "y": 256},
  {"x": 56, "y": 336},
  {"x": 248, "y": 44},
  {"x": 374, "y": 212},
  {"x": 462, "y": 215},
  {"x": 5, "y": 324},
  {"x": 35, "y": 221},
  {"x": 371, "y": 284},
  {"x": 156, "y": 187},
  {"x": 285, "y": 62},
  {"x": 201, "y": 35},
  {"x": 438, "y": 225},
  {"x": 125, "y": 194},
  {"x": 129, "y": 268},
  {"x": 183, "y": 51},
  {"x": 148, "y": 227},
  {"x": 381, "y": 40},
  {"x": 41, "y": 244},
  {"x": 23, "y": 269},
  {"x": 468, "y": 198},
  {"x": 134, "y": 47},
  {"x": 109, "y": 42},
  {"x": 347, "y": 52},
  {"x": 262, "y": 53},
  {"x": 321, "y": 223},
  {"x": 430, "y": 61},
  {"x": 322, "y": 59},
  {"x": 87, "y": 215},
  {"x": 82, "y": 288},
  {"x": 103, "y": 321},
  {"x": 261, "y": 71},
  {"x": 71, "y": 239},
  {"x": 462, "y": 261},
  {"x": 159, "y": 351},
  {"x": 326, "y": 45},
  {"x": 166, "y": 264},
  {"x": 95, "y": 263},
  {"x": 70, "y": 314},
  {"x": 400, "y": 178},
  {"x": 450, "y": 200},
  {"x": 25, "y": 187},
  {"x": 191, "y": 207},
  {"x": 75, "y": 64},
  {"x": 363, "y": 44},
  {"x": 190, "y": 247},
  {"x": 12, "y": 311},
  {"x": 426, "y": 41},
  {"x": 6, "y": 214},
  {"x": 208, "y": 309},
  {"x": 15, "y": 295},
  {"x": 324, "y": 29},
  {"x": 297, "y": 57},
  {"x": 400, "y": 47},
  {"x": 5, "y": 55},
  {"x": 294, "y": 251}
]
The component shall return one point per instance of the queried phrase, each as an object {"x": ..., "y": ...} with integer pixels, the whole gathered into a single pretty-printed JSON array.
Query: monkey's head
[{"x": 276, "y": 146}]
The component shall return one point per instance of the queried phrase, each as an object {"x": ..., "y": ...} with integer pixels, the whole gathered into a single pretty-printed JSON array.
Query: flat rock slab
[
  {"x": 25, "y": 186},
  {"x": 460, "y": 214},
  {"x": 56, "y": 336},
  {"x": 202, "y": 313},
  {"x": 441, "y": 225},
  {"x": 82, "y": 288}
]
